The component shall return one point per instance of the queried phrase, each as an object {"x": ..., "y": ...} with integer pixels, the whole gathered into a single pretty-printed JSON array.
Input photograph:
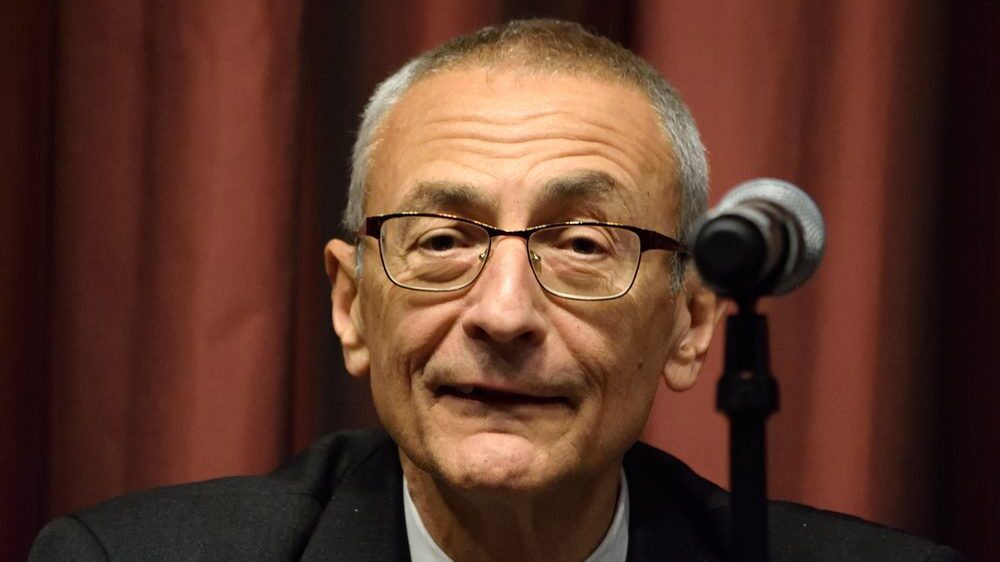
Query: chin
[{"x": 495, "y": 462}]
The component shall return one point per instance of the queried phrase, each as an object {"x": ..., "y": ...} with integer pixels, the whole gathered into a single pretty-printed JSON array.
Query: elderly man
[{"x": 517, "y": 289}]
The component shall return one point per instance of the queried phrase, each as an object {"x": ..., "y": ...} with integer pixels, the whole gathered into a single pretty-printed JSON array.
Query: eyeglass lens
[{"x": 574, "y": 261}]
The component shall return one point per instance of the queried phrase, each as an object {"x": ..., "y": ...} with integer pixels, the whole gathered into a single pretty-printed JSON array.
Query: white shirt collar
[{"x": 613, "y": 548}]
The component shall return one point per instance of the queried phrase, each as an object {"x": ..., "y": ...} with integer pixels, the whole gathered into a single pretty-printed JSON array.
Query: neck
[{"x": 566, "y": 524}]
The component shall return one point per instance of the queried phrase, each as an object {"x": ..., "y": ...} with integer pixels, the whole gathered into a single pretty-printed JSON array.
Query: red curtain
[
  {"x": 170, "y": 173},
  {"x": 154, "y": 220}
]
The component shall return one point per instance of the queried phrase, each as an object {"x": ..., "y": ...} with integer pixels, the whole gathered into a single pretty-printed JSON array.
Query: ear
[
  {"x": 700, "y": 314},
  {"x": 347, "y": 320}
]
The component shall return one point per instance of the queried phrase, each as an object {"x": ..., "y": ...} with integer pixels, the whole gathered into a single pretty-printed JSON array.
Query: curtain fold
[
  {"x": 26, "y": 61},
  {"x": 173, "y": 213}
]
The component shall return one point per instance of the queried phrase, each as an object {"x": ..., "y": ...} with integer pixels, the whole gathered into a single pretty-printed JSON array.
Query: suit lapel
[
  {"x": 670, "y": 517},
  {"x": 364, "y": 518}
]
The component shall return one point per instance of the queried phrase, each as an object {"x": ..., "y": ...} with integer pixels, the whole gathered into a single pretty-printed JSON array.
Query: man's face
[{"x": 502, "y": 386}]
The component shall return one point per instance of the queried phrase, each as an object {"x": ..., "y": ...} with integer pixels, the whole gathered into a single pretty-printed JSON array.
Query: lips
[{"x": 497, "y": 397}]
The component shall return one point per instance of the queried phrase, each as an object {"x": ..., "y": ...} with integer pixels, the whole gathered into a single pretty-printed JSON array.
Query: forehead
[{"x": 511, "y": 141}]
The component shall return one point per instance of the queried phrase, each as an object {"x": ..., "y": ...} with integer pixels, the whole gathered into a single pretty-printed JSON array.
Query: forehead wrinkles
[
  {"x": 521, "y": 136},
  {"x": 469, "y": 113}
]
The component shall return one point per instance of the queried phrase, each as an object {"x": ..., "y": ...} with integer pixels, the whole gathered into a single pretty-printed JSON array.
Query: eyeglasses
[{"x": 581, "y": 260}]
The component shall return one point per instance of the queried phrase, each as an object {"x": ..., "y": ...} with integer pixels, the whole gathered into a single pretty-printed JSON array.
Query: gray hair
[{"x": 553, "y": 46}]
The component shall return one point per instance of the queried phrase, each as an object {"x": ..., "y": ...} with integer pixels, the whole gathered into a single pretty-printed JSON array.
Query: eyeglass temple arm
[
  {"x": 372, "y": 226},
  {"x": 652, "y": 240}
]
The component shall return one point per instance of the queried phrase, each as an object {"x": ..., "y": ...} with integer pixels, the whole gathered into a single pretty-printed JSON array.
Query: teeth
[{"x": 464, "y": 390}]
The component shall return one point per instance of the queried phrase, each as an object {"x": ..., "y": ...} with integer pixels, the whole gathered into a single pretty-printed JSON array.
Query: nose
[{"x": 506, "y": 299}]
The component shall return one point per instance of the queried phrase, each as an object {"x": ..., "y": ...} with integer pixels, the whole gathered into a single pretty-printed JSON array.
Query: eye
[
  {"x": 444, "y": 239},
  {"x": 581, "y": 241},
  {"x": 583, "y": 245},
  {"x": 440, "y": 242}
]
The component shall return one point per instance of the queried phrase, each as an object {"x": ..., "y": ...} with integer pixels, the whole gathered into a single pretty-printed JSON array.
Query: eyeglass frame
[{"x": 648, "y": 240}]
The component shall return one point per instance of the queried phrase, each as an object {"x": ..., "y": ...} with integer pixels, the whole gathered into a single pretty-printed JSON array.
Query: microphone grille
[{"x": 805, "y": 212}]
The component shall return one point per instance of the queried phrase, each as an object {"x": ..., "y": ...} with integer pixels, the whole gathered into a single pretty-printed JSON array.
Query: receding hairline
[
  {"x": 540, "y": 47},
  {"x": 596, "y": 70},
  {"x": 601, "y": 60},
  {"x": 531, "y": 58},
  {"x": 540, "y": 44}
]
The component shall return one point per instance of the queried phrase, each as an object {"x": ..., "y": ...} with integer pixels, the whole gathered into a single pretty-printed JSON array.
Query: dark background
[{"x": 170, "y": 172}]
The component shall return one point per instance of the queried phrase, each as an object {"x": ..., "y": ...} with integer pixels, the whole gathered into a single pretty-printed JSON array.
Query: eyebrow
[
  {"x": 444, "y": 195},
  {"x": 587, "y": 184},
  {"x": 589, "y": 187}
]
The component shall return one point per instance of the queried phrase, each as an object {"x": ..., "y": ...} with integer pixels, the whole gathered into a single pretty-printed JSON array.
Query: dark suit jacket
[{"x": 342, "y": 500}]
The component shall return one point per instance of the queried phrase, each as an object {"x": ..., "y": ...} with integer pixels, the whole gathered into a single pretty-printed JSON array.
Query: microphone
[{"x": 765, "y": 237}]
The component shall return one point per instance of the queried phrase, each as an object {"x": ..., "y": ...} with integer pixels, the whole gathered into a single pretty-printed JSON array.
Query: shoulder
[
  {"x": 797, "y": 532},
  {"x": 801, "y": 532},
  {"x": 269, "y": 515}
]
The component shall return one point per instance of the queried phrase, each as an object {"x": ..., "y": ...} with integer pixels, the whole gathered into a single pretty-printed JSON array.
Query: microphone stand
[{"x": 748, "y": 394}]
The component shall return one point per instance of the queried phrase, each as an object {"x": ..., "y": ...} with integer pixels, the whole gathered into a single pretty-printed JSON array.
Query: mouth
[{"x": 498, "y": 398}]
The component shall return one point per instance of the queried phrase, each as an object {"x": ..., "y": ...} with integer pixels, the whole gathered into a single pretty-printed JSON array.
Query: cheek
[
  {"x": 625, "y": 349},
  {"x": 632, "y": 378},
  {"x": 623, "y": 379},
  {"x": 604, "y": 348},
  {"x": 404, "y": 333},
  {"x": 404, "y": 327}
]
